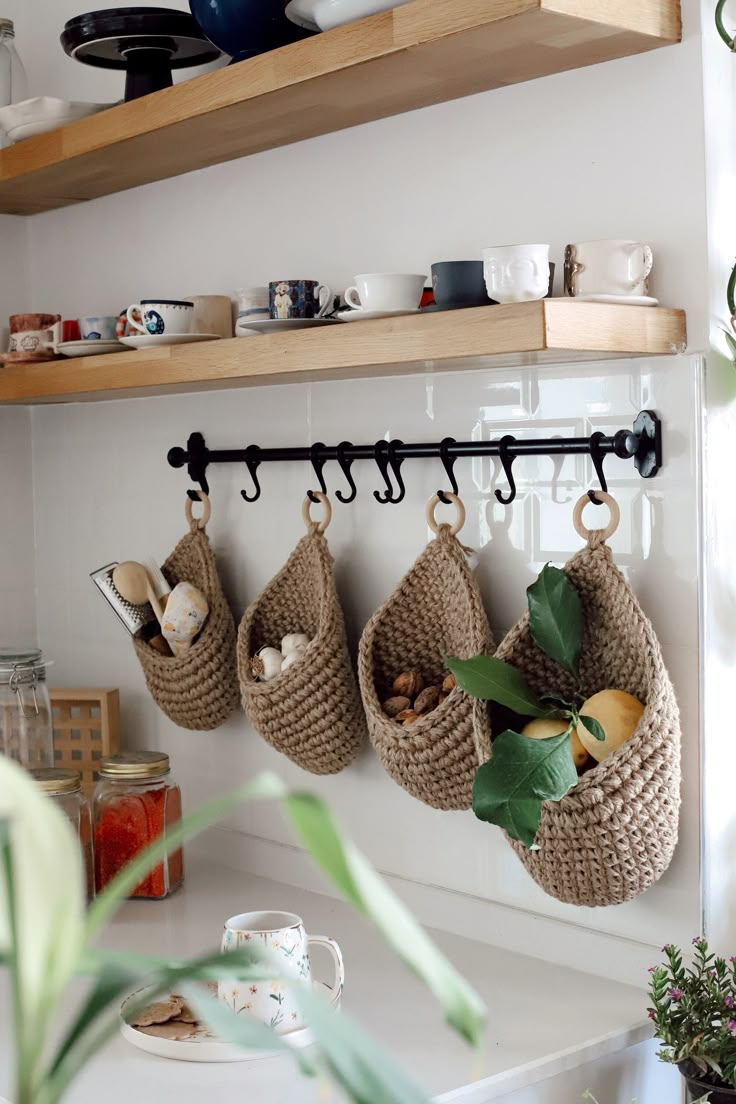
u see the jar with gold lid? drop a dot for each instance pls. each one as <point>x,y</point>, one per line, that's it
<point>64,788</point>
<point>136,802</point>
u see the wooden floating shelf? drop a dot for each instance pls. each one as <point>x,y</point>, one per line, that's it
<point>425,52</point>
<point>552,331</point>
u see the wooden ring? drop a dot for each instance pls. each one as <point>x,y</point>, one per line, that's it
<point>432,506</point>
<point>200,522</point>
<point>307,511</point>
<point>613,521</point>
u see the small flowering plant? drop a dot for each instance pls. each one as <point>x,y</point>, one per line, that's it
<point>694,1012</point>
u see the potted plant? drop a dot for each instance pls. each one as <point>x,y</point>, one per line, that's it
<point>694,1013</point>
<point>46,939</point>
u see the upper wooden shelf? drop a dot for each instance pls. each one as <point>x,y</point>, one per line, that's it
<point>423,53</point>
<point>552,331</point>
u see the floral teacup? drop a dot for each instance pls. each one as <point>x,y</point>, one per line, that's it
<point>284,939</point>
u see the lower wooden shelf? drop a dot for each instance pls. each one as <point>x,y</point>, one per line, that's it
<point>552,331</point>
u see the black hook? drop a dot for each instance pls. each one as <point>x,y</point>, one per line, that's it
<point>252,461</point>
<point>597,456</point>
<point>448,462</point>
<point>345,466</point>
<point>507,461</point>
<point>318,464</point>
<point>385,455</point>
<point>197,456</point>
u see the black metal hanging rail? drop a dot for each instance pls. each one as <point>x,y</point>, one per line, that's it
<point>642,443</point>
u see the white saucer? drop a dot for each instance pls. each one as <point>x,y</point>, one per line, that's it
<point>275,325</point>
<point>366,315</point>
<point>89,348</point>
<point>632,300</point>
<point>150,341</point>
<point>205,1048</point>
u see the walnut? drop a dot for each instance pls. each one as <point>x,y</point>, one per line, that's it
<point>394,706</point>
<point>409,684</point>
<point>427,700</point>
<point>449,684</point>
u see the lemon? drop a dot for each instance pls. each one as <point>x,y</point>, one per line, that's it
<point>618,712</point>
<point>544,727</point>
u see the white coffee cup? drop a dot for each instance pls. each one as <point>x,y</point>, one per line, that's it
<point>161,316</point>
<point>253,302</point>
<point>386,291</point>
<point>608,267</point>
<point>213,314</point>
<point>516,273</point>
<point>283,938</point>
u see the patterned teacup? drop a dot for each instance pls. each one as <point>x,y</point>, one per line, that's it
<point>282,936</point>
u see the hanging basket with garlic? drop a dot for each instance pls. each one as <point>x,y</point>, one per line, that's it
<point>429,734</point>
<point>586,664</point>
<point>198,689</point>
<point>296,679</point>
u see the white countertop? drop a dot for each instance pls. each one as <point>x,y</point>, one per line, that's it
<point>542,1018</point>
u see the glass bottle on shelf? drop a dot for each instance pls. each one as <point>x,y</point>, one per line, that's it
<point>26,723</point>
<point>13,80</point>
<point>64,788</point>
<point>136,801</point>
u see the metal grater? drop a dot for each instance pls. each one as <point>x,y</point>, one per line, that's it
<point>133,617</point>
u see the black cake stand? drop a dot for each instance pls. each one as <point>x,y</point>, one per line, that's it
<point>146,42</point>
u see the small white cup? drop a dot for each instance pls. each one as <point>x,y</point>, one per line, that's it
<point>608,267</point>
<point>516,273</point>
<point>284,939</point>
<point>386,291</point>
<point>161,316</point>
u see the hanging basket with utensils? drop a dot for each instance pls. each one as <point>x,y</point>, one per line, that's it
<point>310,712</point>
<point>613,835</point>
<point>435,612</point>
<point>199,689</point>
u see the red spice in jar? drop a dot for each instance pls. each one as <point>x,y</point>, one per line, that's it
<point>136,802</point>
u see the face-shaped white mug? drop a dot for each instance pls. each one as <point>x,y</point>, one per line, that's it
<point>608,267</point>
<point>516,273</point>
<point>284,939</point>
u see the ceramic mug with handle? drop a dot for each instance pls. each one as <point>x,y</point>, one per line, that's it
<point>283,938</point>
<point>155,317</point>
<point>35,335</point>
<point>298,299</point>
<point>386,291</point>
<point>516,273</point>
<point>608,267</point>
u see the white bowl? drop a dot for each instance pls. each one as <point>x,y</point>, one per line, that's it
<point>326,14</point>
<point>42,113</point>
<point>299,12</point>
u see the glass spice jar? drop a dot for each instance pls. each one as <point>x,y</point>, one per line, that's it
<point>136,801</point>
<point>64,787</point>
<point>26,723</point>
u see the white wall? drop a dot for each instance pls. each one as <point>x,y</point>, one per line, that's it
<point>612,151</point>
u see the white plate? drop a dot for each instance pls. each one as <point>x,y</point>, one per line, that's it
<point>204,1048</point>
<point>632,300</point>
<point>335,13</point>
<point>365,315</point>
<point>275,325</point>
<point>89,348</point>
<point>42,113</point>
<point>150,341</point>
<point>299,12</point>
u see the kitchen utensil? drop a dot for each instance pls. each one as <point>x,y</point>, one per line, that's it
<point>184,617</point>
<point>283,937</point>
<point>298,299</point>
<point>136,619</point>
<point>516,273</point>
<point>70,330</point>
<point>132,581</point>
<point>386,291</point>
<point>608,267</point>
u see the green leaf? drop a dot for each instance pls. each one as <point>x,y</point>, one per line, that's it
<point>731,342</point>
<point>594,727</point>
<point>356,879</point>
<point>510,789</point>
<point>263,786</point>
<point>556,618</point>
<point>492,679</point>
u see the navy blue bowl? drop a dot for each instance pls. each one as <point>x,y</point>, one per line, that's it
<point>244,28</point>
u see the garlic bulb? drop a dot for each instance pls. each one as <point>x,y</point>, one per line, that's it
<point>293,657</point>
<point>292,642</point>
<point>267,664</point>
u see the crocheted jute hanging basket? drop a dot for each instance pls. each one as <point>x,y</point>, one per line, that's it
<point>198,690</point>
<point>612,836</point>
<point>436,611</point>
<point>311,712</point>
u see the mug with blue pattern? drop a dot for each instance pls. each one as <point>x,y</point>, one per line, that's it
<point>156,317</point>
<point>98,328</point>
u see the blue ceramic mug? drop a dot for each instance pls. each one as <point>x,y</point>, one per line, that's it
<point>298,299</point>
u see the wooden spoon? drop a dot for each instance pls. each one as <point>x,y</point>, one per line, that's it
<point>133,583</point>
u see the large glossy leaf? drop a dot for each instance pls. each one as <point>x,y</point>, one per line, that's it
<point>493,679</point>
<point>356,879</point>
<point>510,789</point>
<point>556,617</point>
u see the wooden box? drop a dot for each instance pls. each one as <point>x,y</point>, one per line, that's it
<point>86,729</point>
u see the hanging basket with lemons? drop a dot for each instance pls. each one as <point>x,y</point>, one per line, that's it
<point>585,780</point>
